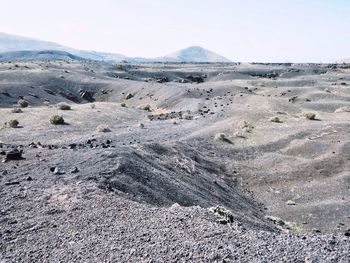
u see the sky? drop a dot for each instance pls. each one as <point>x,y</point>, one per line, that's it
<point>241,30</point>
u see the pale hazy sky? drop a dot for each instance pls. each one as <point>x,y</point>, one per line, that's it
<point>241,30</point>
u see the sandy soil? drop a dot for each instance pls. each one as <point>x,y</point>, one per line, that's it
<point>142,192</point>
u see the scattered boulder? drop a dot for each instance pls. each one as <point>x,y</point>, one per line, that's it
<point>14,154</point>
<point>23,103</point>
<point>87,95</point>
<point>129,96</point>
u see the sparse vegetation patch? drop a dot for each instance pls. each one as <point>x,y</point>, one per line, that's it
<point>246,126</point>
<point>11,124</point>
<point>57,120</point>
<point>343,109</point>
<point>16,110</point>
<point>63,106</point>
<point>309,115</point>
<point>276,119</point>
<point>103,128</point>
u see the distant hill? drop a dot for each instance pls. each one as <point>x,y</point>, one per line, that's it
<point>38,55</point>
<point>15,46</point>
<point>10,43</point>
<point>194,54</point>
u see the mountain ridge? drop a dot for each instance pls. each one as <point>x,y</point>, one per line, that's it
<point>11,43</point>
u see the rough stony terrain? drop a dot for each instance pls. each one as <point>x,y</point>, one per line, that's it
<point>180,139</point>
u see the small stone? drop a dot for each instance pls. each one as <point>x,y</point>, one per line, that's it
<point>129,96</point>
<point>72,146</point>
<point>290,202</point>
<point>12,183</point>
<point>74,170</point>
<point>347,233</point>
<point>57,171</point>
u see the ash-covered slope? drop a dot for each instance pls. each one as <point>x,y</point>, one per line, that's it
<point>38,55</point>
<point>10,43</point>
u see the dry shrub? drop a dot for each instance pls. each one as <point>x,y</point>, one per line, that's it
<point>63,106</point>
<point>57,120</point>
<point>343,109</point>
<point>246,126</point>
<point>275,119</point>
<point>103,128</point>
<point>16,110</point>
<point>11,124</point>
<point>309,115</point>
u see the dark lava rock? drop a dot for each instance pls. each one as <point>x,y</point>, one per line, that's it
<point>14,154</point>
<point>32,145</point>
<point>87,95</point>
<point>195,78</point>
<point>12,183</point>
<point>74,170</point>
<point>347,233</point>
<point>72,146</point>
<point>129,96</point>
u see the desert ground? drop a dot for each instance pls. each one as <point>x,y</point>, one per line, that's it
<point>174,162</point>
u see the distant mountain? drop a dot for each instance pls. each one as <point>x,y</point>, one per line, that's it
<point>14,47</point>
<point>194,54</point>
<point>9,43</point>
<point>38,55</point>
